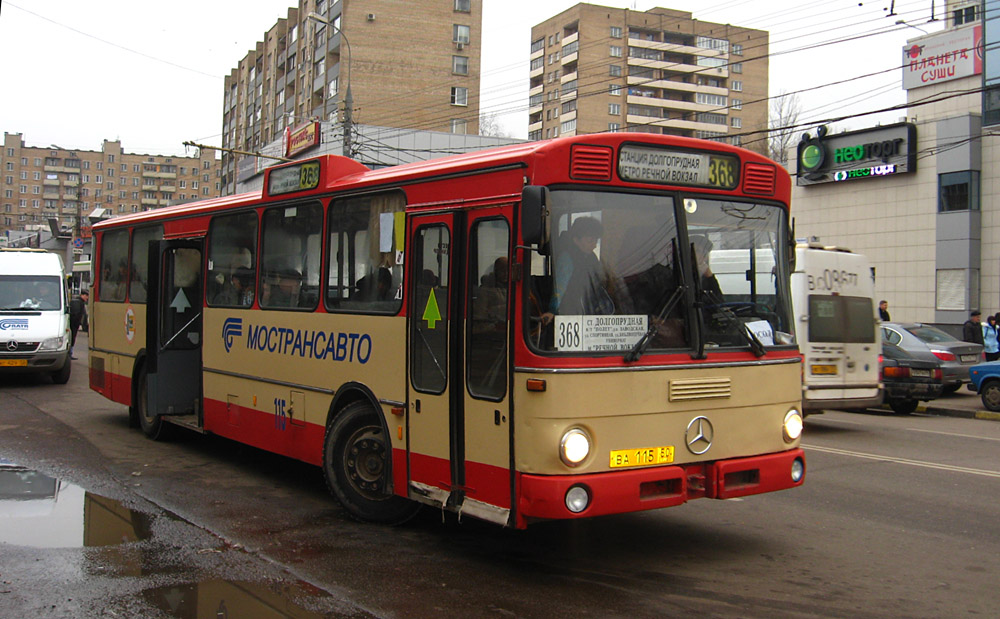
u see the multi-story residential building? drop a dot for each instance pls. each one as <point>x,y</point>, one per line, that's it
<point>596,68</point>
<point>407,64</point>
<point>43,183</point>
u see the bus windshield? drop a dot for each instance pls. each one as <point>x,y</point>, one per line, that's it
<point>617,273</point>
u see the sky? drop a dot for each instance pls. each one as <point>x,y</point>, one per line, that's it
<point>151,74</point>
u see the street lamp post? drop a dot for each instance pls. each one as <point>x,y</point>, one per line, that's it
<point>348,98</point>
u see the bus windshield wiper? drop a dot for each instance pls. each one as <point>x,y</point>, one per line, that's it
<point>654,325</point>
<point>756,346</point>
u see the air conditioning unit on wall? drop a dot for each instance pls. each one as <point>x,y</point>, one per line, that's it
<point>459,46</point>
<point>371,17</point>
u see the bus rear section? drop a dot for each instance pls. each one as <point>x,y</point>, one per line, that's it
<point>832,298</point>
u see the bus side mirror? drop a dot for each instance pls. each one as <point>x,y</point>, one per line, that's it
<point>533,213</point>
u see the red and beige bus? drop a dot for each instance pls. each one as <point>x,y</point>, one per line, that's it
<point>518,334</point>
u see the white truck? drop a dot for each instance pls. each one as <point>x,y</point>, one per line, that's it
<point>834,309</point>
<point>34,314</point>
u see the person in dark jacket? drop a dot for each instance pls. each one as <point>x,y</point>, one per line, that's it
<point>972,330</point>
<point>579,277</point>
<point>77,316</point>
<point>883,311</point>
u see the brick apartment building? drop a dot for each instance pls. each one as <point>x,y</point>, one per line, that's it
<point>413,65</point>
<point>596,69</point>
<point>42,183</point>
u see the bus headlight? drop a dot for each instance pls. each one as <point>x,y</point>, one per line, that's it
<point>791,429</point>
<point>574,447</point>
<point>54,343</point>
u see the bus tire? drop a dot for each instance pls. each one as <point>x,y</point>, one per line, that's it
<point>356,465</point>
<point>61,377</point>
<point>152,426</point>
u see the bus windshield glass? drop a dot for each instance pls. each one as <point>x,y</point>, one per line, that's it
<point>617,274</point>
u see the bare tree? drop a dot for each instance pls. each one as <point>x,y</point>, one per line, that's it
<point>784,115</point>
<point>490,125</point>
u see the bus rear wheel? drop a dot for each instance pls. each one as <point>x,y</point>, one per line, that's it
<point>152,426</point>
<point>356,465</point>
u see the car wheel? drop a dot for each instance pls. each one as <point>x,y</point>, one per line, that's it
<point>991,396</point>
<point>952,388</point>
<point>903,407</point>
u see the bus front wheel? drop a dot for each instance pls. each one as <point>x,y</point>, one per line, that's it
<point>356,465</point>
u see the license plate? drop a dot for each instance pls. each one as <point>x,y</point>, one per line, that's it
<point>8,363</point>
<point>969,358</point>
<point>823,369</point>
<point>647,456</point>
<point>920,373</point>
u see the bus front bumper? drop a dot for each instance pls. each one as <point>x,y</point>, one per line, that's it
<point>543,497</point>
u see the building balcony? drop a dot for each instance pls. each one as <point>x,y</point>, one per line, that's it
<point>147,187</point>
<point>149,201</point>
<point>535,127</point>
<point>537,90</point>
<point>672,67</point>
<point>567,96</point>
<point>573,38</point>
<point>537,53</point>
<point>535,109</point>
<point>673,104</point>
<point>568,116</point>
<point>536,72</point>
<point>567,59</point>
<point>170,188</point>
<point>161,174</point>
<point>691,125</point>
<point>679,86</point>
<point>51,182</point>
<point>59,168</point>
<point>50,195</point>
<point>569,77</point>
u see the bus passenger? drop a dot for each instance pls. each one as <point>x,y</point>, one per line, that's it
<point>710,289</point>
<point>285,293</point>
<point>579,277</point>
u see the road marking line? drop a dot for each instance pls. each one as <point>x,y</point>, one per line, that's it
<point>929,465</point>
<point>985,438</point>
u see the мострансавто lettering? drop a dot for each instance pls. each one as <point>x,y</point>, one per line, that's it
<point>319,345</point>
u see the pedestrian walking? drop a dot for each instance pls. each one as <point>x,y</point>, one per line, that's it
<point>972,330</point>
<point>991,345</point>
<point>77,316</point>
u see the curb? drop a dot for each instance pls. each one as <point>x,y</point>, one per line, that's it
<point>958,412</point>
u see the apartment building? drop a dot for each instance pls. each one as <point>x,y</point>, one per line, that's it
<point>411,65</point>
<point>596,68</point>
<point>42,183</point>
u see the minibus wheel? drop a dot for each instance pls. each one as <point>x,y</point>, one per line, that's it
<point>357,466</point>
<point>61,377</point>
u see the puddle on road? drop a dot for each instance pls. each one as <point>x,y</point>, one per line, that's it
<point>40,511</point>
<point>44,512</point>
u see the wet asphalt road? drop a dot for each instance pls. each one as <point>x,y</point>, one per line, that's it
<point>898,517</point>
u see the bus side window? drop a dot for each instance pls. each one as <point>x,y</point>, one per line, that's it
<point>232,249</point>
<point>365,240</point>
<point>290,256</point>
<point>114,265</point>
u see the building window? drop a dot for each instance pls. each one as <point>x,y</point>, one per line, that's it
<point>614,127</point>
<point>461,34</point>
<point>737,49</point>
<point>537,63</point>
<point>615,70</point>
<point>463,6</point>
<point>458,125</point>
<point>736,67</point>
<point>615,109</point>
<point>964,15</point>
<point>737,104</point>
<point>460,65</point>
<point>737,86</point>
<point>736,123</point>
<point>616,51</point>
<point>459,95</point>
<point>616,32</point>
<point>569,125</point>
<point>614,89</point>
<point>958,191</point>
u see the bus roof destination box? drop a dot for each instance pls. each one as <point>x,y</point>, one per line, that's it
<point>34,317</point>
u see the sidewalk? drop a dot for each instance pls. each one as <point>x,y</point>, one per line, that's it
<point>962,403</point>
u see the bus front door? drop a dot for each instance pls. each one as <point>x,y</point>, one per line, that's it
<point>458,418</point>
<point>173,331</point>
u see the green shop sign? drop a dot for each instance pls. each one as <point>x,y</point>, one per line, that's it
<point>869,153</point>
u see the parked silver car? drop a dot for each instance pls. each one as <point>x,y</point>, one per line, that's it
<point>923,341</point>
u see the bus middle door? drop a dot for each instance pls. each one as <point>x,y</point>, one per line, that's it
<point>434,416</point>
<point>173,330</point>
